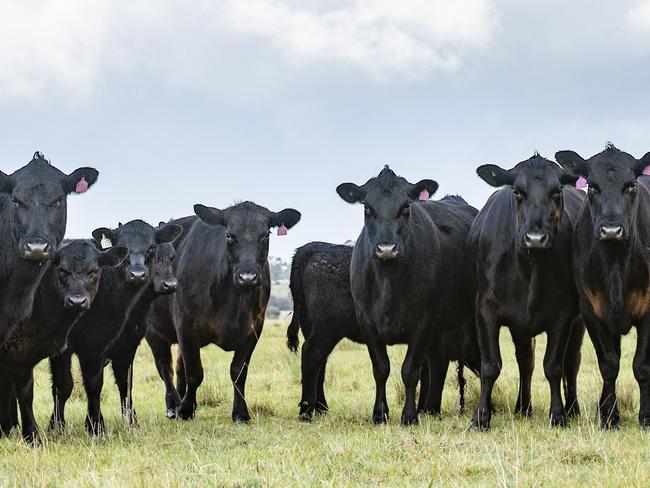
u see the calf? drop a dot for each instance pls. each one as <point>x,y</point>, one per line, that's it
<point>67,290</point>
<point>406,276</point>
<point>324,311</point>
<point>96,331</point>
<point>122,352</point>
<point>224,287</point>
<point>611,262</point>
<point>519,248</point>
<point>33,215</point>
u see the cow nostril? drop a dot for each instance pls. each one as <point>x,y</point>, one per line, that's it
<point>614,232</point>
<point>170,284</point>
<point>248,278</point>
<point>386,251</point>
<point>535,239</point>
<point>77,300</point>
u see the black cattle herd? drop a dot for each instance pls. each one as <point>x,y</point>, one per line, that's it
<point>439,276</point>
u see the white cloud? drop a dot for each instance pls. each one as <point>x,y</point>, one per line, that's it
<point>640,14</point>
<point>54,48</point>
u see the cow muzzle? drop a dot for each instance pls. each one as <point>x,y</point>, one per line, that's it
<point>386,251</point>
<point>612,233</point>
<point>36,250</point>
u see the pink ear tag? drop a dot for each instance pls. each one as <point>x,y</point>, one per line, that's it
<point>282,230</point>
<point>82,186</point>
<point>581,183</point>
<point>646,171</point>
<point>424,195</point>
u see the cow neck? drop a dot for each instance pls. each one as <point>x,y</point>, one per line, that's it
<point>615,259</point>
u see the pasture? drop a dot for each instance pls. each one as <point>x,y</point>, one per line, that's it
<point>341,449</point>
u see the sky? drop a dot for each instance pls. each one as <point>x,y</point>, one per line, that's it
<point>279,101</point>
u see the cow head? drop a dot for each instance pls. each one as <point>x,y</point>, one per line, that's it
<point>78,266</point>
<point>246,229</point>
<point>162,271</point>
<point>538,202</point>
<point>387,200</point>
<point>141,240</point>
<point>612,178</point>
<point>37,210</point>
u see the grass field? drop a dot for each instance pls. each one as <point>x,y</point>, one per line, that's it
<point>340,449</point>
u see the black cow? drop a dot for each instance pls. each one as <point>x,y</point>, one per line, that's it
<point>224,287</point>
<point>323,310</point>
<point>95,332</point>
<point>407,277</point>
<point>33,215</point>
<point>67,290</point>
<point>519,250</point>
<point>122,352</point>
<point>611,261</point>
<point>33,211</point>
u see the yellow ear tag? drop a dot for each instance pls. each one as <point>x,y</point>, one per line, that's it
<point>106,242</point>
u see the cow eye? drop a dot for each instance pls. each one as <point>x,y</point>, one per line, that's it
<point>367,210</point>
<point>59,203</point>
<point>406,211</point>
<point>594,189</point>
<point>517,194</point>
<point>17,203</point>
<point>630,187</point>
<point>230,238</point>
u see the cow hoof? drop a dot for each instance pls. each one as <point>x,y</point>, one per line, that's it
<point>57,425</point>
<point>306,416</point>
<point>482,425</point>
<point>558,420</point>
<point>32,438</point>
<point>409,419</point>
<point>644,421</point>
<point>239,418</point>
<point>171,414</point>
<point>379,418</point>
<point>321,408</point>
<point>610,423</point>
<point>95,427</point>
<point>185,413</point>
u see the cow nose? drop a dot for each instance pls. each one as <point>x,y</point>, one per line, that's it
<point>386,252</point>
<point>611,233</point>
<point>137,276</point>
<point>77,301</point>
<point>170,284</point>
<point>248,279</point>
<point>536,240</point>
<point>37,250</point>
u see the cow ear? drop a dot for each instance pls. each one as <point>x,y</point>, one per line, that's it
<point>350,192</point>
<point>567,179</point>
<point>496,176</point>
<point>104,232</point>
<point>287,217</point>
<point>573,163</point>
<point>168,233</point>
<point>80,180</point>
<point>6,185</point>
<point>209,215</point>
<point>642,166</point>
<point>113,256</point>
<point>417,190</point>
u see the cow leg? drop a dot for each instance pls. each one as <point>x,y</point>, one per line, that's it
<point>62,385</point>
<point>314,355</point>
<point>488,328</point>
<point>437,365</point>
<point>413,362</point>
<point>238,374</point>
<point>24,385</point>
<point>191,354</point>
<point>425,386</point>
<point>181,383</point>
<point>8,403</point>
<point>557,339</point>
<point>380,370</point>
<point>525,354</point>
<point>641,368</point>
<point>162,355</point>
<point>123,373</point>
<point>321,402</point>
<point>92,372</point>
<point>608,351</point>
<point>572,360</point>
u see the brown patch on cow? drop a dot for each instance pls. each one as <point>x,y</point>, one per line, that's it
<point>597,302</point>
<point>637,303</point>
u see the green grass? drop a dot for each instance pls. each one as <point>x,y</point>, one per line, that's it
<point>342,448</point>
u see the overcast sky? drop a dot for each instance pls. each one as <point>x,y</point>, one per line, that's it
<point>278,101</point>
